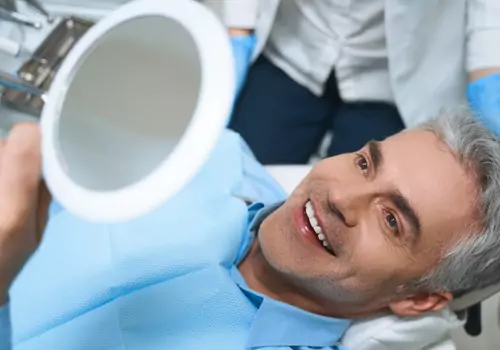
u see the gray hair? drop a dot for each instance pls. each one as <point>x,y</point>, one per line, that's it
<point>473,262</point>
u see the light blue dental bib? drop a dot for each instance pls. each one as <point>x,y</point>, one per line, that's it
<point>158,282</point>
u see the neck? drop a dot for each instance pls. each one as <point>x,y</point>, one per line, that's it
<point>263,279</point>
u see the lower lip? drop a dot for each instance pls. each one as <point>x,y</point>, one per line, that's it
<point>301,222</point>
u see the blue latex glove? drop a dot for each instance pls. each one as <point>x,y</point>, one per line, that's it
<point>243,46</point>
<point>484,99</point>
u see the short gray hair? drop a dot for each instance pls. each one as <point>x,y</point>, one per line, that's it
<point>474,262</point>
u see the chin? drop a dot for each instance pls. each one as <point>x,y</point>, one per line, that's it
<point>286,258</point>
<point>277,254</point>
<point>285,248</point>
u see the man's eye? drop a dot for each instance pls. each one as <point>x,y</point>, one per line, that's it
<point>362,163</point>
<point>392,222</point>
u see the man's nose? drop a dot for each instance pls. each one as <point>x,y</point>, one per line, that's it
<point>349,200</point>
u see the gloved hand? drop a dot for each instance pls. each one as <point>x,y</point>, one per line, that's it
<point>484,99</point>
<point>243,46</point>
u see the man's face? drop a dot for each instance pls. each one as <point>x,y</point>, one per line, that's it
<point>386,214</point>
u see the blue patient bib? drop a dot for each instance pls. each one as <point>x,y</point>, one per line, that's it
<point>159,282</point>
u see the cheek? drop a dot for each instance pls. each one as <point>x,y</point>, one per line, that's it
<point>302,189</point>
<point>273,235</point>
<point>376,260</point>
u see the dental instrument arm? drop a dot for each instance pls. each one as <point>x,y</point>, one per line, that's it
<point>18,18</point>
<point>13,82</point>
<point>13,48</point>
<point>37,5</point>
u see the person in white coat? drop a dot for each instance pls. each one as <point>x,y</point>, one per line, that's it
<point>362,69</point>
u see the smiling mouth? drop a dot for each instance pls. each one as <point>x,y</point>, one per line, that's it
<point>313,222</point>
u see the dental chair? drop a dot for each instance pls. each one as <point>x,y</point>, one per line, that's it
<point>471,323</point>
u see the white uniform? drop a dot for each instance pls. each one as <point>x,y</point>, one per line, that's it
<point>430,46</point>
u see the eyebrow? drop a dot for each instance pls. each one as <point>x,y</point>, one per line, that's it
<point>397,198</point>
<point>376,154</point>
<point>403,205</point>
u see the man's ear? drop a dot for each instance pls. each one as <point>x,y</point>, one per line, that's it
<point>417,304</point>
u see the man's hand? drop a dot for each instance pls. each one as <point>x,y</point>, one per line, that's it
<point>483,94</point>
<point>243,42</point>
<point>24,201</point>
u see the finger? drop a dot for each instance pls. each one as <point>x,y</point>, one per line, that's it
<point>20,172</point>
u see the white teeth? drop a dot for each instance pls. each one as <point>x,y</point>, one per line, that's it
<point>313,221</point>
<point>309,212</point>
<point>314,224</point>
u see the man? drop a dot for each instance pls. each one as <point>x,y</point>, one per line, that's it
<point>396,227</point>
<point>360,69</point>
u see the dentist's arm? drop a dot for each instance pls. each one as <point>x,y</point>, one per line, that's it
<point>483,73</point>
<point>240,17</point>
<point>24,202</point>
<point>483,61</point>
<point>243,42</point>
<point>240,14</point>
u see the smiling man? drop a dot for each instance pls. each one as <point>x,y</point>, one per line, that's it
<point>394,228</point>
<point>362,228</point>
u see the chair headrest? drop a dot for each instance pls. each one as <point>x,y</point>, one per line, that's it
<point>474,297</point>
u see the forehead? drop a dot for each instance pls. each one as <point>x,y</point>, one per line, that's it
<point>427,172</point>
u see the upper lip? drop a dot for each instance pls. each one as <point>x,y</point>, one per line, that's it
<point>327,230</point>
